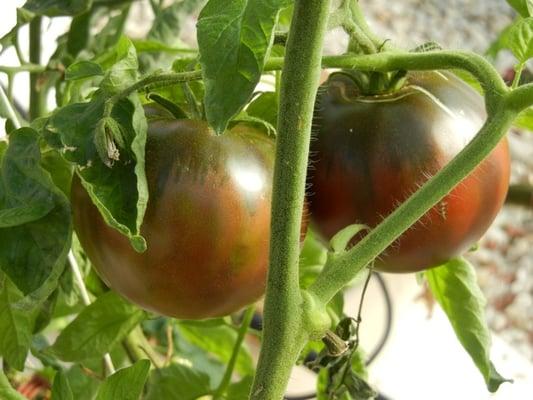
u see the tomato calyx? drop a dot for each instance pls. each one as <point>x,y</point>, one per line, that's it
<point>372,83</point>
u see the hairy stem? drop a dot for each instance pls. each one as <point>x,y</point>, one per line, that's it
<point>284,334</point>
<point>226,379</point>
<point>37,99</point>
<point>108,363</point>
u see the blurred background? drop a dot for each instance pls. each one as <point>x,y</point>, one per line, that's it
<point>421,357</point>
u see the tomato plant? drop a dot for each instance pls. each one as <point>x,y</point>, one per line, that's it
<point>194,212</point>
<point>372,152</point>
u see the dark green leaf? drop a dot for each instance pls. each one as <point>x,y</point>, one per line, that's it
<point>83,386</point>
<point>523,7</point>
<point>178,382</point>
<point>234,38</point>
<point>455,288</point>
<point>125,384</point>
<point>82,70</point>
<point>218,340</point>
<point>120,192</point>
<point>6,391</point>
<point>168,105</point>
<point>79,33</point>
<point>53,8</point>
<point>61,387</point>
<point>97,329</point>
<point>33,253</point>
<point>15,326</point>
<point>265,107</point>
<point>520,39</point>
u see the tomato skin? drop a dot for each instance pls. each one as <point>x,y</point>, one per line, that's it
<point>207,223</point>
<point>369,154</point>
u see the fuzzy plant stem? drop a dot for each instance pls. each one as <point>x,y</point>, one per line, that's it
<point>284,334</point>
<point>37,98</point>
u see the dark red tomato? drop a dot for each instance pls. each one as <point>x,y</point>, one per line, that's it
<point>371,153</point>
<point>207,223</point>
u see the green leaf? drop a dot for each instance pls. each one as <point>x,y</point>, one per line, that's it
<point>97,329</point>
<point>240,390</point>
<point>265,107</point>
<point>82,70</point>
<point>218,340</point>
<point>249,120</point>
<point>124,71</point>
<point>53,8</point>
<point>16,326</point>
<point>121,192</point>
<point>234,38</point>
<point>520,39</point>
<point>125,384</point>
<point>178,382</point>
<point>35,247</point>
<point>61,387</point>
<point>340,241</point>
<point>83,386</point>
<point>165,32</point>
<point>6,391</point>
<point>455,288</point>
<point>523,7</point>
<point>525,119</point>
<point>499,44</point>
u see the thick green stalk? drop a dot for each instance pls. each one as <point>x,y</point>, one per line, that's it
<point>37,98</point>
<point>342,269</point>
<point>492,83</point>
<point>284,334</point>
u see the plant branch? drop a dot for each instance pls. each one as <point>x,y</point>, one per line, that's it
<point>284,332</point>
<point>226,379</point>
<point>87,301</point>
<point>33,68</point>
<point>37,100</point>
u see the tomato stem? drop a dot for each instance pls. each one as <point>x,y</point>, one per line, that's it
<point>226,379</point>
<point>37,99</point>
<point>284,333</point>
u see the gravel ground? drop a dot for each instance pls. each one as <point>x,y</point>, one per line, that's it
<point>505,257</point>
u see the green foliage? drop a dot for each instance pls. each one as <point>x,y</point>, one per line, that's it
<point>61,387</point>
<point>6,391</point>
<point>234,38</point>
<point>35,223</point>
<point>519,39</point>
<point>523,7</point>
<point>192,383</point>
<point>125,384</point>
<point>218,340</point>
<point>455,288</point>
<point>54,8</point>
<point>342,375</point>
<point>122,206</point>
<point>15,325</point>
<point>97,329</point>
